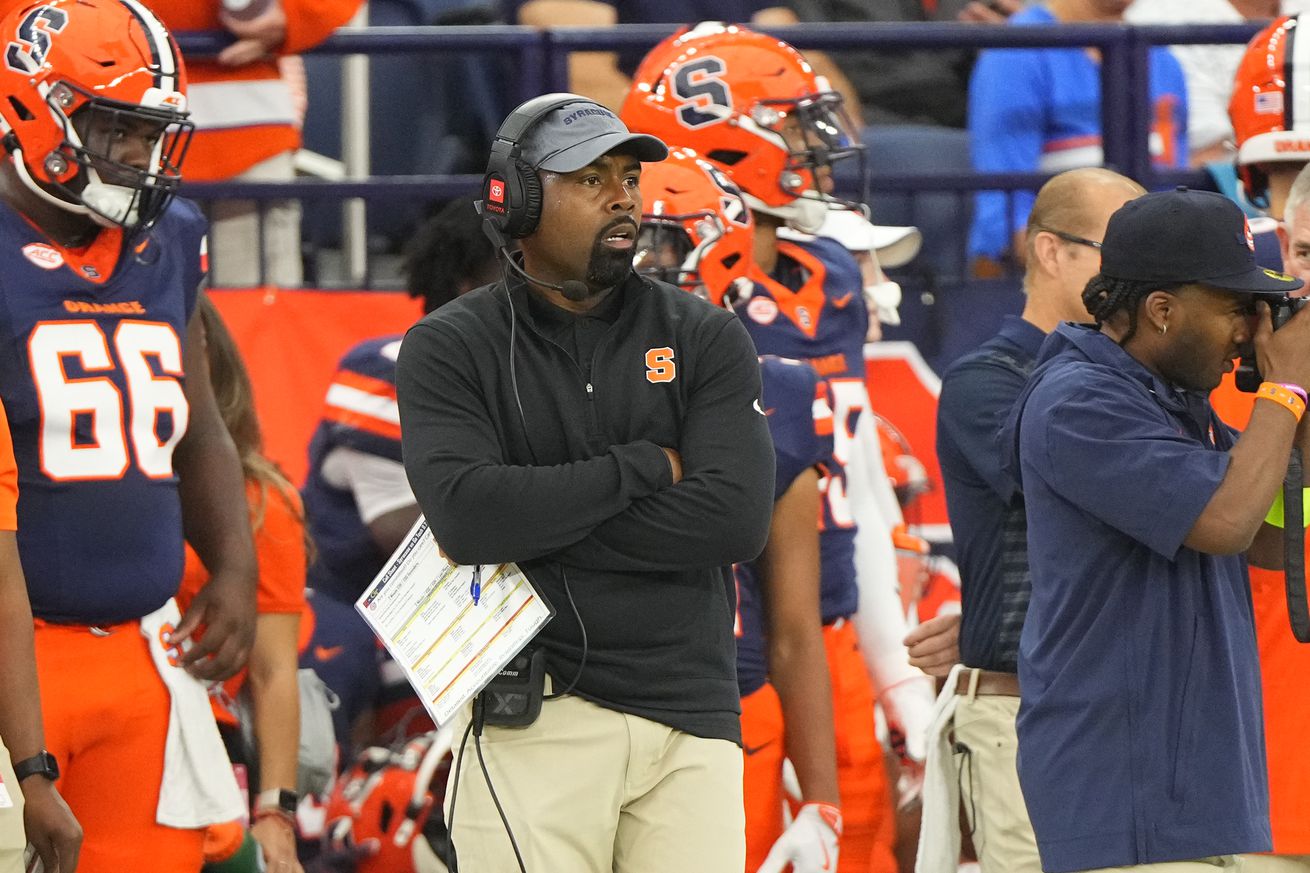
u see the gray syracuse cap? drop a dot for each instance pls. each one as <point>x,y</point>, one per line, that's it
<point>574,135</point>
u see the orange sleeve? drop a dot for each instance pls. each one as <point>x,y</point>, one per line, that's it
<point>310,21</point>
<point>280,550</point>
<point>8,477</point>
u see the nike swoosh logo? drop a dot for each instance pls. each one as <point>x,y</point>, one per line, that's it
<point>327,653</point>
<point>753,750</point>
<point>840,302</point>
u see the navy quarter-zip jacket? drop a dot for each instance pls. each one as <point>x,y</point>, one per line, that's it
<point>576,485</point>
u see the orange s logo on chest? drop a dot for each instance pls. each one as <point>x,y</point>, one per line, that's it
<point>660,366</point>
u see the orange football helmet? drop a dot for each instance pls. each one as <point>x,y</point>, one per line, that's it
<point>696,231</point>
<point>381,813</point>
<point>76,75</point>
<point>751,105</point>
<point>1268,120</point>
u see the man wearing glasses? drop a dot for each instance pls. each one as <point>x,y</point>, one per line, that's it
<point>986,509</point>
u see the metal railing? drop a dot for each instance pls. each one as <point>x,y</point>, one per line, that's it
<point>541,59</point>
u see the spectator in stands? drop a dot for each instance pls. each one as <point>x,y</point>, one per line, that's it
<point>277,525</point>
<point>1208,69</point>
<point>247,124</point>
<point>1039,110</point>
<point>915,86</point>
<point>606,77</point>
<point>358,503</point>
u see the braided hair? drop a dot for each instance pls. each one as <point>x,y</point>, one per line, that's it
<point>1106,295</point>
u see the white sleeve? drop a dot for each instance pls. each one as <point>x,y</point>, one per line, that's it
<point>378,484</point>
<point>880,621</point>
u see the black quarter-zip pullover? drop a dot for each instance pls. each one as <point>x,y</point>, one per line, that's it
<point>577,486</point>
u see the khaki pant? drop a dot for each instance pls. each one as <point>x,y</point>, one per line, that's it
<point>1276,864</point>
<point>989,784</point>
<point>234,234</point>
<point>591,790</point>
<point>1200,865</point>
<point>12,840</point>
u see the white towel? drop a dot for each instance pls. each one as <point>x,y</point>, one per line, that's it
<point>939,828</point>
<point>199,788</point>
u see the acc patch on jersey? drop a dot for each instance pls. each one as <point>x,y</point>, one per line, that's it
<point>43,256</point>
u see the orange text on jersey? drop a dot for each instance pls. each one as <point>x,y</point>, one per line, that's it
<point>125,307</point>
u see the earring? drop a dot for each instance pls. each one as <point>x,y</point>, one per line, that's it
<point>1163,328</point>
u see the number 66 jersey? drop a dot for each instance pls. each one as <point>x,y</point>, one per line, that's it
<point>92,376</point>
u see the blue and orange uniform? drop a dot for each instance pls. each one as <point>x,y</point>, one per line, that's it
<point>92,380</point>
<point>811,309</point>
<point>800,423</point>
<point>360,419</point>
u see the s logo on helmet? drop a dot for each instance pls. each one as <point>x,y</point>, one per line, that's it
<point>27,55</point>
<point>700,85</point>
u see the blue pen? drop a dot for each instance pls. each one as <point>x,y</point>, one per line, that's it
<point>475,588</point>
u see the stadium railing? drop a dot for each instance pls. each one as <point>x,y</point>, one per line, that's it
<point>539,64</point>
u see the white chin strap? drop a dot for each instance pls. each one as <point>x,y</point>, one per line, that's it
<point>806,213</point>
<point>106,205</point>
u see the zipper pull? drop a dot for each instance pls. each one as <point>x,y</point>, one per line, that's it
<point>591,394</point>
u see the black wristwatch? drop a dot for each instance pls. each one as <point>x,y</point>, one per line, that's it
<point>41,764</point>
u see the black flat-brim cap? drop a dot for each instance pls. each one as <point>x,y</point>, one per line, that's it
<point>572,136</point>
<point>1183,237</point>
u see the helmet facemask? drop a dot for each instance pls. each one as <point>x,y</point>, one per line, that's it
<point>817,134</point>
<point>681,250</point>
<point>83,175</point>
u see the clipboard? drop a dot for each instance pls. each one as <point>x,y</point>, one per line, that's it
<point>450,627</point>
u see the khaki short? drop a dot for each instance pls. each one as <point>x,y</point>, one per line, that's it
<point>589,790</point>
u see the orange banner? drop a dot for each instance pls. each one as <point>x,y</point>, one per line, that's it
<point>292,340</point>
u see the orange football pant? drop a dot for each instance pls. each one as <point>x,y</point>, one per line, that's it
<point>106,719</point>
<point>868,820</point>
<point>762,747</point>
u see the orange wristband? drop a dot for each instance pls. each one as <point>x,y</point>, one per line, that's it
<point>1283,397</point>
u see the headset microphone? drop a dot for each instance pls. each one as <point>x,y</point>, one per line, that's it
<point>570,288</point>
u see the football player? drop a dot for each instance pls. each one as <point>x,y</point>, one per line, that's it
<point>118,439</point>
<point>696,233</point>
<point>752,106</point>
<point>1273,139</point>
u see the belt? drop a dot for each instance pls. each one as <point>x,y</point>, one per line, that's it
<point>988,682</point>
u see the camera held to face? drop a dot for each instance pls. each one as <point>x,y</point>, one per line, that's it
<point>1247,377</point>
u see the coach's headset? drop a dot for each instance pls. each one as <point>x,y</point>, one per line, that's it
<point>511,189</point>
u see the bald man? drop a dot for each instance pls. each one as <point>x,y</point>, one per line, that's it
<point>1062,243</point>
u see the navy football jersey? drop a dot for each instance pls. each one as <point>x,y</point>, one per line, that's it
<point>360,413</point>
<point>800,423</point>
<point>812,309</point>
<point>92,380</point>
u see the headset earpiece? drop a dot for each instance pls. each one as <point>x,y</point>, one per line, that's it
<point>527,213</point>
